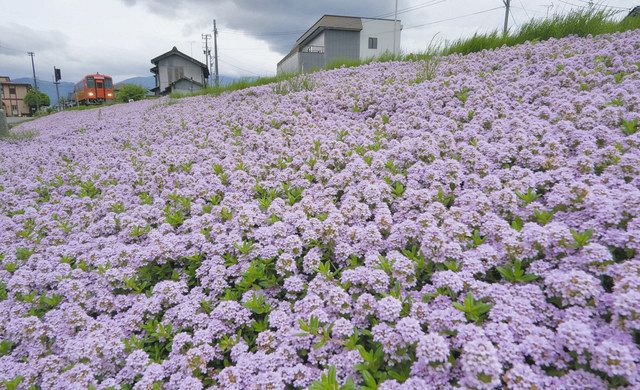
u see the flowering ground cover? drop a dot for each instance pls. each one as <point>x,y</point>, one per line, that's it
<point>473,223</point>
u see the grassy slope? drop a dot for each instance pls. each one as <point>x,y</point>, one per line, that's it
<point>581,23</point>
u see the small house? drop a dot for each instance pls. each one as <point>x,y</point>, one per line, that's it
<point>13,95</point>
<point>175,71</point>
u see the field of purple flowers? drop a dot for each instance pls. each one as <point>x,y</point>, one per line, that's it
<point>473,223</point>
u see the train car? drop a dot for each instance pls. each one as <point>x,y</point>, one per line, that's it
<point>94,89</point>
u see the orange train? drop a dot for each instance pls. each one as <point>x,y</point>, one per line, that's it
<point>94,89</point>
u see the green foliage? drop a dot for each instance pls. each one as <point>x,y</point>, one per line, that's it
<point>445,199</point>
<point>39,304</point>
<point>13,383</point>
<point>177,209</point>
<point>462,95</point>
<point>581,239</point>
<point>397,189</point>
<point>581,23</point>
<point>528,197</point>
<point>329,381</point>
<point>294,84</point>
<point>324,268</point>
<point>22,254</point>
<point>245,247</point>
<point>371,368</point>
<point>35,98</point>
<point>138,231</point>
<point>265,196</point>
<point>257,304</point>
<point>475,311</point>
<point>542,217</point>
<point>423,268</point>
<point>4,293</point>
<point>315,328</point>
<point>517,223</point>
<point>428,69</point>
<point>156,340</point>
<point>148,276</point>
<point>88,189</point>
<point>630,127</point>
<point>17,136</point>
<point>117,208</point>
<point>476,238</point>
<point>260,274</point>
<point>130,91</point>
<point>514,272</point>
<point>6,346</point>
<point>145,198</point>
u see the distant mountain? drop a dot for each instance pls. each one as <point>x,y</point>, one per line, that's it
<point>150,81</point>
<point>147,82</point>
<point>49,88</point>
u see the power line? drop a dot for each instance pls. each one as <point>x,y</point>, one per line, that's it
<point>603,5</point>
<point>454,18</point>
<point>237,67</point>
<point>593,6</point>
<point>525,10</point>
<point>371,19</point>
<point>11,49</point>
<point>513,19</point>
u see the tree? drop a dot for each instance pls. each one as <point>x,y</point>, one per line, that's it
<point>130,91</point>
<point>35,99</point>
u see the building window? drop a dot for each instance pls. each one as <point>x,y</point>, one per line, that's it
<point>14,107</point>
<point>373,43</point>
<point>12,90</point>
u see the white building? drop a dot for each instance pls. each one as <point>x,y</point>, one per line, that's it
<point>335,37</point>
<point>177,72</point>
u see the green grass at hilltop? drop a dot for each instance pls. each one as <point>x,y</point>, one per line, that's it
<point>580,23</point>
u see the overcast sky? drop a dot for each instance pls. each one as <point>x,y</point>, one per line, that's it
<point>119,37</point>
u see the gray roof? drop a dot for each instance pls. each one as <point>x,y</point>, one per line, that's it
<point>330,22</point>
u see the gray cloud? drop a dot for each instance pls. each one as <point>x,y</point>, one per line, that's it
<point>277,22</point>
<point>35,40</point>
<point>53,48</point>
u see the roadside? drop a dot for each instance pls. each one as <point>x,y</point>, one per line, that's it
<point>15,120</point>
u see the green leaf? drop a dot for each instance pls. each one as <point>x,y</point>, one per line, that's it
<point>514,272</point>
<point>475,311</point>
<point>529,197</point>
<point>517,224</point>
<point>543,217</point>
<point>581,239</point>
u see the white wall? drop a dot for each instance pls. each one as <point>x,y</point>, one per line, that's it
<point>317,41</point>
<point>381,29</point>
<point>189,70</point>
<point>290,65</point>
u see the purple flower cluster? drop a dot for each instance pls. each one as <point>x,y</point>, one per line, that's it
<point>477,229</point>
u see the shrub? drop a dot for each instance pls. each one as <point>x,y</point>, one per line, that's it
<point>130,92</point>
<point>35,98</point>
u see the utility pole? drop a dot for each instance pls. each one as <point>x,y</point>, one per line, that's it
<point>35,81</point>
<point>215,52</point>
<point>207,53</point>
<point>395,24</point>
<point>507,4</point>
<point>33,68</point>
